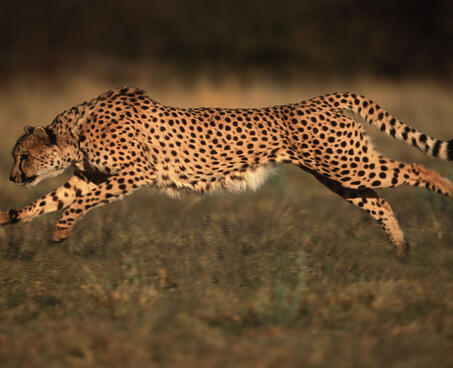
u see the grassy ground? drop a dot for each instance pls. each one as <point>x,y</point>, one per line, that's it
<point>290,276</point>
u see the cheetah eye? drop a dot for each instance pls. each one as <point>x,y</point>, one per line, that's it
<point>24,156</point>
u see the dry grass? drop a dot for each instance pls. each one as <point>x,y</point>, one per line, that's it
<point>288,276</point>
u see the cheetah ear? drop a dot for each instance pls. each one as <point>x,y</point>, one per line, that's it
<point>29,129</point>
<point>41,133</point>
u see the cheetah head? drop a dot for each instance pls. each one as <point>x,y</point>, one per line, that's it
<point>36,157</point>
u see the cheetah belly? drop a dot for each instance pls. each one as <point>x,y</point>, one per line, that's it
<point>235,181</point>
<point>252,178</point>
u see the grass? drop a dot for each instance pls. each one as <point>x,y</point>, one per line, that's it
<point>289,276</point>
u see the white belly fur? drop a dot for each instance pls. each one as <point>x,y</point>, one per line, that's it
<point>252,179</point>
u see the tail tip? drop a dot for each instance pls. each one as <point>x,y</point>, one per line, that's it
<point>450,150</point>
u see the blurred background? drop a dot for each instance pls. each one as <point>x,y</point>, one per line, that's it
<point>280,40</point>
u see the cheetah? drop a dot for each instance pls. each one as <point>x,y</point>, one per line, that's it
<point>124,140</point>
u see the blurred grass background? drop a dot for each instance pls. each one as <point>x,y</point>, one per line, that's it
<point>392,38</point>
<point>288,276</point>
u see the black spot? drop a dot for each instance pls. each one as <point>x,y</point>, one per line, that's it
<point>436,148</point>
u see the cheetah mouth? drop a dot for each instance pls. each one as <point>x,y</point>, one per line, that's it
<point>28,181</point>
<point>31,181</point>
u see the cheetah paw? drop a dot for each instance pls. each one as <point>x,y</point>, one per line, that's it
<point>60,233</point>
<point>403,251</point>
<point>5,218</point>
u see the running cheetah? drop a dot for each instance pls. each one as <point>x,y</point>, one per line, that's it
<point>124,140</point>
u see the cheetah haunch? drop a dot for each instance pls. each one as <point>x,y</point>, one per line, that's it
<point>123,140</point>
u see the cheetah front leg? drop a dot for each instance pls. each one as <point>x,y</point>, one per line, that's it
<point>115,187</point>
<point>58,199</point>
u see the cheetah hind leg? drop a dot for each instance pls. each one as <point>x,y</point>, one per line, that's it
<point>376,207</point>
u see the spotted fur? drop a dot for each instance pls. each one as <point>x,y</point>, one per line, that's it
<point>123,140</point>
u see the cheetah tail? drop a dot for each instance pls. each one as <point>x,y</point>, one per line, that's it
<point>382,120</point>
